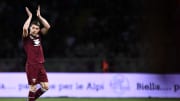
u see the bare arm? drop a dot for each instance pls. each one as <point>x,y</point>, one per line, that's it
<point>27,23</point>
<point>46,25</point>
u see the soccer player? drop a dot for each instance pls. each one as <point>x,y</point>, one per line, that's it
<point>36,73</point>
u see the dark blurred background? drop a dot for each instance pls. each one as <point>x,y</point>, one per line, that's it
<point>96,35</point>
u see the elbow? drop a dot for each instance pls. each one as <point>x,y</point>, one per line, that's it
<point>48,27</point>
<point>25,33</point>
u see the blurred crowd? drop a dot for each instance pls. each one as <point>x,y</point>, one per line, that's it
<point>80,28</point>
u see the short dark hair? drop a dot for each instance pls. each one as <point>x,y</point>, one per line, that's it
<point>36,22</point>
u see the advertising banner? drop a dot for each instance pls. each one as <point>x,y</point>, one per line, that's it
<point>109,85</point>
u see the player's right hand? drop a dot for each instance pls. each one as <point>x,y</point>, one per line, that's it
<point>38,11</point>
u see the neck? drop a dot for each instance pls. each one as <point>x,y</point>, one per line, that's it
<point>36,35</point>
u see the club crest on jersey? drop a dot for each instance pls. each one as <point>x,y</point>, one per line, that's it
<point>34,80</point>
<point>36,42</point>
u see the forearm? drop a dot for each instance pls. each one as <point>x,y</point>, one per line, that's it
<point>26,26</point>
<point>27,23</point>
<point>44,22</point>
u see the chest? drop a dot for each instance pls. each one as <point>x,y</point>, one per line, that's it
<point>35,41</point>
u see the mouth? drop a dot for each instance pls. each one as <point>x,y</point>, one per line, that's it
<point>33,32</point>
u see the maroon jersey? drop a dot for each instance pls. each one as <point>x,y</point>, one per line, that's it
<point>33,48</point>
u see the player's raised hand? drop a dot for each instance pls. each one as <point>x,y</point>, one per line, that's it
<point>38,11</point>
<point>28,12</point>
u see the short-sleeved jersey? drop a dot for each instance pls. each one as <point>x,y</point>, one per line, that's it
<point>33,48</point>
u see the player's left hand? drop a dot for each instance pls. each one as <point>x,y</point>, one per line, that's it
<point>38,11</point>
